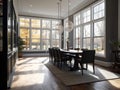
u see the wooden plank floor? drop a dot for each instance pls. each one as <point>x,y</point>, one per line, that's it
<point>32,74</point>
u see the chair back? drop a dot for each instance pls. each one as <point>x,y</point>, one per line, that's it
<point>83,49</point>
<point>88,56</point>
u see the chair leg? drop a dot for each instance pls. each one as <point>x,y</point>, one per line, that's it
<point>86,66</point>
<point>70,63</point>
<point>81,68</point>
<point>93,69</point>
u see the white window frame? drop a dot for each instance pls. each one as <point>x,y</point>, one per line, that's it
<point>30,28</point>
<point>91,22</point>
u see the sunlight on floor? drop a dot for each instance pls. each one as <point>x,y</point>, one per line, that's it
<point>95,76</point>
<point>90,67</point>
<point>29,72</point>
<point>115,84</point>
<point>108,74</point>
<point>29,80</point>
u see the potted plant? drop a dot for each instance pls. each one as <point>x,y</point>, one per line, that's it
<point>116,45</point>
<point>20,46</point>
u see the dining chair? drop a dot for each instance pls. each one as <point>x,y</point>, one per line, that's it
<point>88,56</point>
<point>116,62</point>
<point>55,54</point>
<point>50,54</point>
<point>84,49</point>
<point>64,58</point>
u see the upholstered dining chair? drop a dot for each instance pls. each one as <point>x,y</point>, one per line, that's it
<point>88,56</point>
<point>65,57</point>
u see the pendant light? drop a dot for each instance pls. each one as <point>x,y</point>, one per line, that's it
<point>68,23</point>
<point>59,25</point>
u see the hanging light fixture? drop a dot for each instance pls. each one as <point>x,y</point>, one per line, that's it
<point>59,25</point>
<point>68,23</point>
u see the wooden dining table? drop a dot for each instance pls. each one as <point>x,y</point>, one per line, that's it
<point>76,55</point>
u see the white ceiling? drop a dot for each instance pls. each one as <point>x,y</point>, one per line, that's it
<point>49,8</point>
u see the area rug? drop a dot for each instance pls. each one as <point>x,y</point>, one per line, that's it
<point>75,77</point>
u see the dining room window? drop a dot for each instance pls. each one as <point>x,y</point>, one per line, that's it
<point>35,23</point>
<point>46,23</point>
<point>24,22</point>
<point>98,10</point>
<point>35,39</point>
<point>91,28</point>
<point>39,33</point>
<point>77,39</point>
<point>99,33</point>
<point>87,36</point>
<point>86,14</point>
<point>25,35</point>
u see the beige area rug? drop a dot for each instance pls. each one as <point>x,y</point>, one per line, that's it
<point>75,77</point>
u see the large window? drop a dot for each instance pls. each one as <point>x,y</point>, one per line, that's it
<point>98,10</point>
<point>45,39</point>
<point>35,23</point>
<point>77,39</point>
<point>24,22</point>
<point>89,24</point>
<point>25,35</point>
<point>86,15</point>
<point>86,36</point>
<point>55,34</point>
<point>46,23</point>
<point>99,33</point>
<point>39,33</point>
<point>35,39</point>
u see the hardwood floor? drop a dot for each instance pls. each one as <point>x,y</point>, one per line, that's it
<point>32,74</point>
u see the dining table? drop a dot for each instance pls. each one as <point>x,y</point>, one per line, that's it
<point>76,54</point>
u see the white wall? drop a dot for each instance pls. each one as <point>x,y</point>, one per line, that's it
<point>119,20</point>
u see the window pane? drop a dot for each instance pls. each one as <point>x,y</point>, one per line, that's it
<point>45,44</point>
<point>54,24</point>
<point>99,45</point>
<point>35,39</point>
<point>45,23</point>
<point>35,23</point>
<point>77,44</point>
<point>24,33</point>
<point>99,11</point>
<point>99,28</point>
<point>86,43</point>
<point>86,30</point>
<point>45,34</point>
<point>55,34</point>
<point>86,15</point>
<point>24,22</point>
<point>77,37</point>
<point>55,43</point>
<point>77,20</point>
<point>35,44</point>
<point>26,45</point>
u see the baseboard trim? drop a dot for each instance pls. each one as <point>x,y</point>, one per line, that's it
<point>102,63</point>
